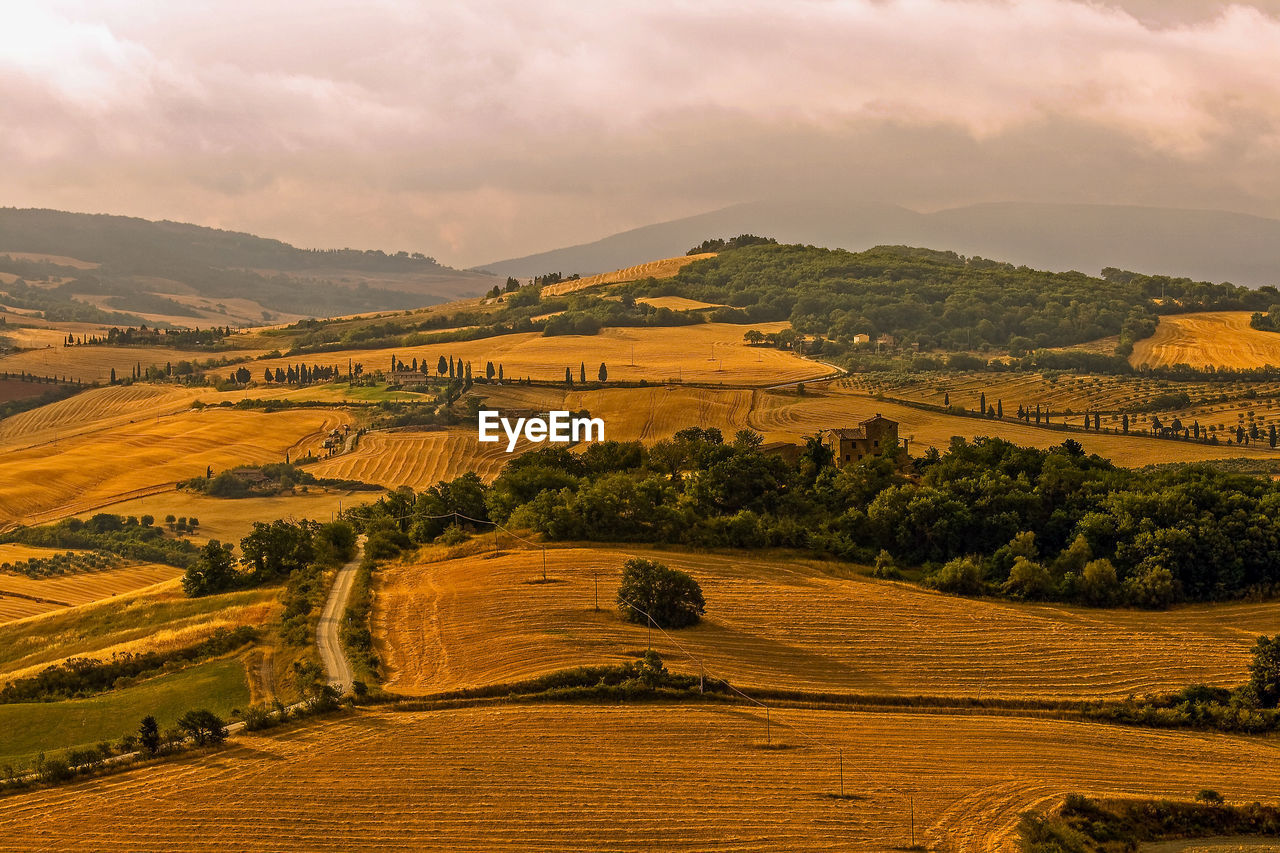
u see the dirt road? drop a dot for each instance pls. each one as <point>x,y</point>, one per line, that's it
<point>327,642</point>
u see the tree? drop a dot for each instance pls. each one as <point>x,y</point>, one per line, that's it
<point>442,366</point>
<point>982,403</point>
<point>149,735</point>
<point>279,548</point>
<point>113,376</point>
<point>582,375</point>
<point>604,377</point>
<point>670,597</point>
<point>1264,671</point>
<point>1028,579</point>
<point>204,727</point>
<point>946,398</point>
<point>213,571</point>
<point>568,376</point>
<point>489,371</point>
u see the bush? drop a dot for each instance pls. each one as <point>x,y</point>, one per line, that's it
<point>672,598</point>
<point>962,576</point>
<point>204,727</point>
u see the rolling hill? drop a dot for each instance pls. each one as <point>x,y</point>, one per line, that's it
<point>1200,244</point>
<point>191,275</point>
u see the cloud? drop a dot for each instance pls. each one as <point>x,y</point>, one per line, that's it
<point>471,131</point>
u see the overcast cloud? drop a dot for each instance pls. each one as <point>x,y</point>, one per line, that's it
<point>487,129</point>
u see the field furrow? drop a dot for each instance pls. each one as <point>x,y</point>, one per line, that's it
<point>673,777</point>
<point>787,623</point>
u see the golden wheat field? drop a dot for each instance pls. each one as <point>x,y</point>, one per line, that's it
<point>785,416</point>
<point>705,352</point>
<point>654,777</point>
<point>665,268</point>
<point>88,470</point>
<point>21,596</point>
<point>230,520</point>
<point>789,623</point>
<point>1208,339</point>
<point>415,458</point>
<point>676,303</point>
<point>94,363</point>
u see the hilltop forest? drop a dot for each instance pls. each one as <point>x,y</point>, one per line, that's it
<point>940,300</point>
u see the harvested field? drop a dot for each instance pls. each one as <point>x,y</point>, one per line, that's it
<point>650,414</point>
<point>665,268</point>
<point>60,260</point>
<point>230,520</point>
<point>93,469</point>
<point>94,363</point>
<point>91,410</point>
<point>16,389</point>
<point>676,303</point>
<point>21,596</point>
<point>666,777</point>
<point>1208,339</point>
<point>659,354</point>
<point>789,417</point>
<point>794,624</point>
<point>417,459</point>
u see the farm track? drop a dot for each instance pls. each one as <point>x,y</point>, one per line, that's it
<point>328,642</point>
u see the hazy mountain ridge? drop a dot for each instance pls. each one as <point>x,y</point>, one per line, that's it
<point>142,263</point>
<point>1198,244</point>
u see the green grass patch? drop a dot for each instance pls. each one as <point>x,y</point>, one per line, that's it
<point>83,630</point>
<point>29,728</point>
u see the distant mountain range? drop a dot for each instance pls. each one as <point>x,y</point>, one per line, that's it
<point>191,274</point>
<point>1199,244</point>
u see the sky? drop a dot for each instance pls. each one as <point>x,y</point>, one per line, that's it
<point>483,130</point>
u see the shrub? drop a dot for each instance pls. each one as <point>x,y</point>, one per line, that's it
<point>672,598</point>
<point>204,727</point>
<point>962,576</point>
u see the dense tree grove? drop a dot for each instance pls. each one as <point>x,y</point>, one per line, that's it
<point>128,536</point>
<point>273,552</point>
<point>982,517</point>
<point>939,300</point>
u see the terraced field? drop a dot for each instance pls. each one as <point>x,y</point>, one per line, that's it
<point>790,623</point>
<point>1208,339</point>
<point>665,268</point>
<point>93,469</point>
<point>706,352</point>
<point>675,777</point>
<point>21,596</point>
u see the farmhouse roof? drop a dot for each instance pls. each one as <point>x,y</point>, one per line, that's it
<point>861,431</point>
